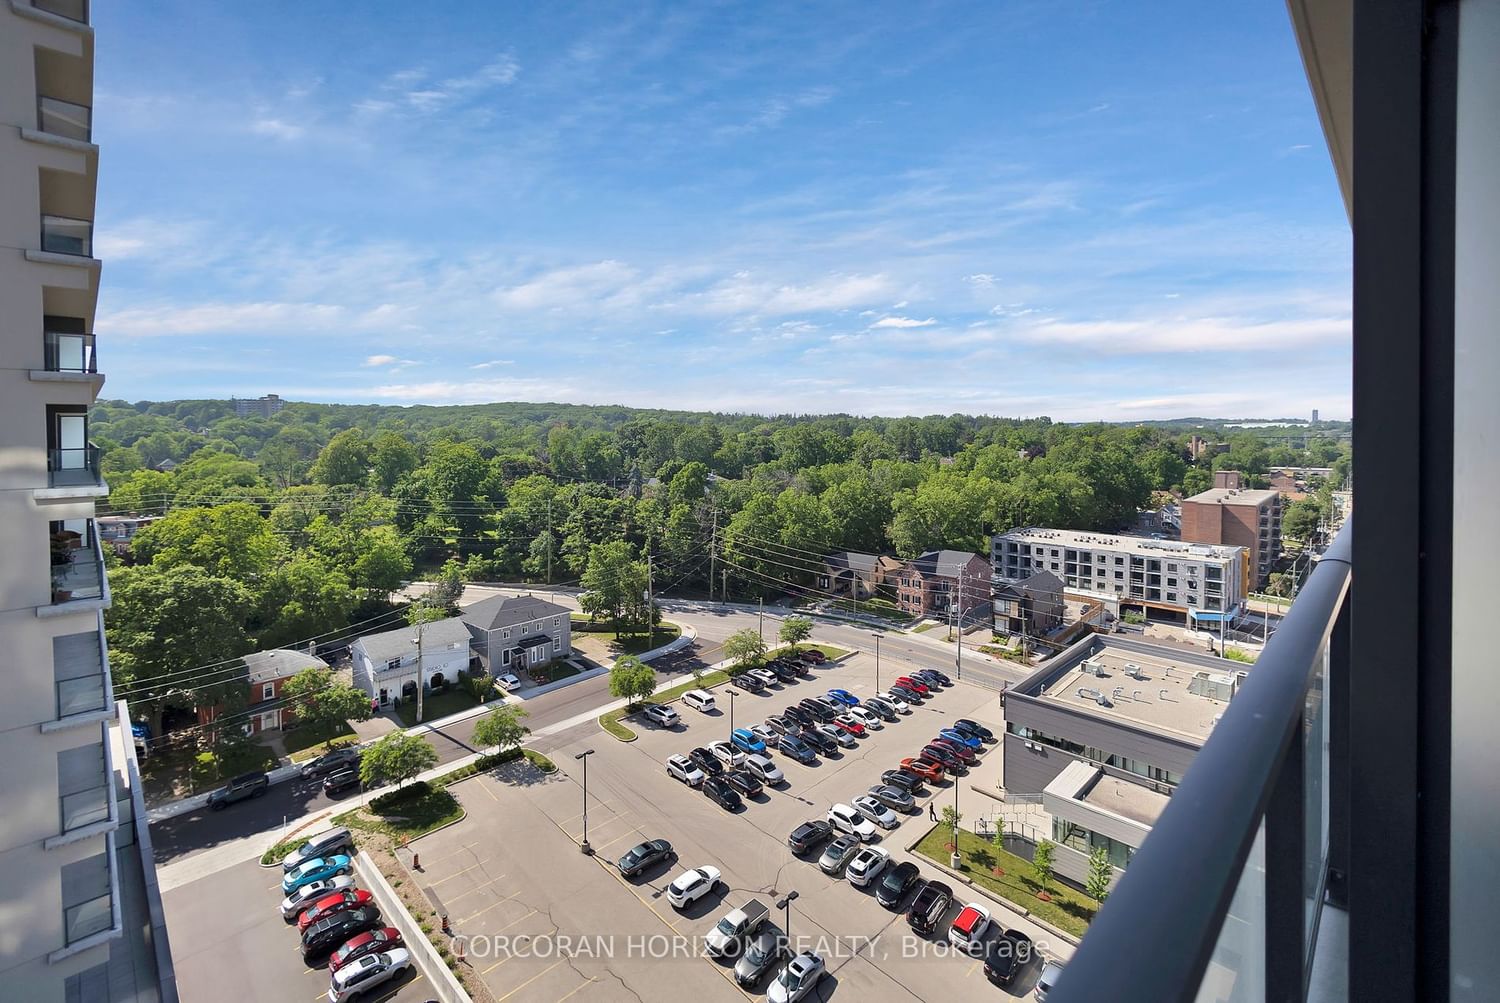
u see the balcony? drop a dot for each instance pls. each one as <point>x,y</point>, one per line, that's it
<point>73,10</point>
<point>73,468</point>
<point>1231,881</point>
<point>64,235</point>
<point>57,117</point>
<point>79,580</point>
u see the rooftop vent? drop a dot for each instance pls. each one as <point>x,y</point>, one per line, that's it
<point>1088,694</point>
<point>1134,671</point>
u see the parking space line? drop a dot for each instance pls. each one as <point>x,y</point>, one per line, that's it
<point>634,831</point>
<point>596,806</point>
<point>588,982</point>
<point>528,982</point>
<point>466,870</point>
<point>486,909</point>
<point>471,891</point>
<point>518,919</point>
<point>497,964</point>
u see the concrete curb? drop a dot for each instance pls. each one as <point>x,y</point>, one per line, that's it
<point>443,981</point>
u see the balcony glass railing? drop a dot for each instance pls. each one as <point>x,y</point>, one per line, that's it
<point>1233,874</point>
<point>77,568</point>
<point>73,10</point>
<point>82,695</point>
<point>63,235</point>
<point>63,118</point>
<point>73,467</point>
<point>69,353</point>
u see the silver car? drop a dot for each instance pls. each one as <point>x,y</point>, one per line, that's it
<point>760,954</point>
<point>323,845</point>
<point>893,798</point>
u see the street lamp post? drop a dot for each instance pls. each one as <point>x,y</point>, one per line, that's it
<point>786,906</point>
<point>877,661</point>
<point>956,859</point>
<point>583,756</point>
<point>732,694</point>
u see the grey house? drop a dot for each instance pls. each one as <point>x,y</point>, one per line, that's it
<point>1031,606</point>
<point>514,633</point>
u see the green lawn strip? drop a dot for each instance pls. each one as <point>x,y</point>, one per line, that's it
<point>540,761</point>
<point>281,849</point>
<point>410,812</point>
<point>873,607</point>
<point>924,628</point>
<point>1069,910</point>
<point>434,706</point>
<point>828,650</point>
<point>308,742</point>
<point>631,642</point>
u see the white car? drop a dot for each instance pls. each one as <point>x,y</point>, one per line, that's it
<point>876,812</point>
<point>797,979</point>
<point>845,740</point>
<point>766,676</point>
<point>726,753</point>
<point>866,864</point>
<point>764,770</point>
<point>902,707</point>
<point>359,977</point>
<point>684,769</point>
<point>662,715</point>
<point>766,735</point>
<point>308,894</point>
<point>846,819</point>
<point>508,681</point>
<point>969,927</point>
<point>866,718</point>
<point>690,886</point>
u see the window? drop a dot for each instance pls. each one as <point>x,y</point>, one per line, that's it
<point>1119,562</point>
<point>90,984</point>
<point>268,691</point>
<point>1119,576</point>
<point>78,673</point>
<point>556,622</point>
<point>556,645</point>
<point>505,657</point>
<point>1172,582</point>
<point>505,634</point>
<point>82,786</point>
<point>86,904</point>
<point>1171,567</point>
<point>392,664</point>
<point>1171,597</point>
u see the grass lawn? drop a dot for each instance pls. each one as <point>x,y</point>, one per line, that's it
<point>556,671</point>
<point>412,811</point>
<point>631,642</point>
<point>450,701</point>
<point>1069,910</point>
<point>306,742</point>
<point>612,721</point>
<point>828,650</point>
<point>925,627</point>
<point>179,771</point>
<point>873,607</point>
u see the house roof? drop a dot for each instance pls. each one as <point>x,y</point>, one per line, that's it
<point>507,611</point>
<point>943,563</point>
<point>859,562</point>
<point>282,663</point>
<point>397,643</point>
<point>1041,581</point>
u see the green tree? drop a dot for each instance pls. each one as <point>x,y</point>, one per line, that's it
<point>345,460</point>
<point>1301,519</point>
<point>951,818</point>
<point>306,597</point>
<point>319,700</point>
<point>396,758</point>
<point>794,630</point>
<point>1041,860</point>
<point>613,582</point>
<point>447,588</point>
<point>231,540</point>
<point>1101,873</point>
<point>745,647</point>
<point>382,565</point>
<point>631,679</point>
<point>392,457</point>
<point>502,728</point>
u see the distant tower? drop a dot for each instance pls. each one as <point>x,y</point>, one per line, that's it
<point>1315,416</point>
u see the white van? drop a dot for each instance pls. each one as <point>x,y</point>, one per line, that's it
<point>700,700</point>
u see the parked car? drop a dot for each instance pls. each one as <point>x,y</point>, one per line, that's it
<point>764,770</point>
<point>960,749</point>
<point>784,672</point>
<point>809,835</point>
<point>645,855</point>
<point>815,656</point>
<point>846,819</point>
<point>700,700</point>
<point>819,741</point>
<point>843,697</point>
<point>881,706</point>
<point>748,681</point>
<point>747,741</point>
<point>684,769</point>
<point>866,864</point>
<point>797,979</point>
<point>240,788</point>
<point>928,907</point>
<point>508,681</point>
<point>793,747</point>
<point>837,853</point>
<point>895,883</point>
<point>761,952</point>
<point>332,762</point>
<point>340,901</point>
<point>690,886</point>
<point>868,806</point>
<point>368,942</point>
<point>800,715</point>
<point>766,735</point>
<point>1006,957</point>
<point>304,897</point>
<point>908,782</point>
<point>734,926</point>
<point>974,728</point>
<point>340,781</point>
<point>744,781</point>
<point>662,716</point>
<point>893,797</point>
<point>906,694</point>
<point>944,757</point>
<point>324,843</point>
<point>849,726</point>
<point>915,685</point>
<point>1051,972</point>
<point>706,761</point>
<point>316,869</point>
<point>323,936</point>
<point>902,707</point>
<point>969,741</point>
<point>839,735</point>
<point>726,753</point>
<point>722,793</point>
<point>766,677</point>
<point>969,927</point>
<point>868,718</point>
<point>939,675</point>
<point>923,768</point>
<point>820,711</point>
<point>932,677</point>
<point>779,726</point>
<point>365,974</point>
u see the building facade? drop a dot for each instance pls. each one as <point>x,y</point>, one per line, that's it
<point>1033,606</point>
<point>266,672</point>
<point>516,633</point>
<point>942,582</point>
<point>385,664</point>
<point>857,576</point>
<point>264,407</point>
<point>64,919</point>
<point>1198,582</point>
<point>1237,517</point>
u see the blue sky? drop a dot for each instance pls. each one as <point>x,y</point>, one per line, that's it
<point>1085,210</point>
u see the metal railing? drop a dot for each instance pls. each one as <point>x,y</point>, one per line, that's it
<point>73,10</point>
<point>57,117</point>
<point>77,572</point>
<point>65,235</point>
<point>73,467</point>
<point>69,353</point>
<point>1222,900</point>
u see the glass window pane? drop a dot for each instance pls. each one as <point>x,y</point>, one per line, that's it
<point>88,918</point>
<point>1315,792</point>
<point>1237,969</point>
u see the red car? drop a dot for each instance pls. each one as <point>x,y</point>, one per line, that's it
<point>349,898</point>
<point>815,655</point>
<point>912,684</point>
<point>366,943</point>
<point>960,750</point>
<point>924,768</point>
<point>848,725</point>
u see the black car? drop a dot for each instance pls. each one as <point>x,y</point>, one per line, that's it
<point>895,883</point>
<point>928,908</point>
<point>930,676</point>
<point>880,708</point>
<point>800,715</point>
<point>909,695</point>
<point>1006,957</point>
<point>946,756</point>
<point>246,785</point>
<point>743,782</point>
<point>647,854</point>
<point>793,747</point>
<point>332,762</point>
<point>706,761</point>
<point>326,935</point>
<point>342,780</point>
<point>909,782</point>
<point>820,710</point>
<point>722,794</point>
<point>800,665</point>
<point>745,681</point>
<point>809,835</point>
<point>974,728</point>
<point>783,671</point>
<point>819,741</point>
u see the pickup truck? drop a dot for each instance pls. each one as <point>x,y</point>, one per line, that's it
<point>735,927</point>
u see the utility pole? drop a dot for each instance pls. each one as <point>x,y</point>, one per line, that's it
<point>713,549</point>
<point>420,680</point>
<point>959,660</point>
<point>877,663</point>
<point>549,541</point>
<point>762,619</point>
<point>650,605</point>
<point>724,585</point>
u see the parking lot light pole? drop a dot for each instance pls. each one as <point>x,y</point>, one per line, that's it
<point>957,857</point>
<point>786,906</point>
<point>732,694</point>
<point>583,756</point>
<point>877,661</point>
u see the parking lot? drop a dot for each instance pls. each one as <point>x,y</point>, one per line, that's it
<point>515,883</point>
<point>229,941</point>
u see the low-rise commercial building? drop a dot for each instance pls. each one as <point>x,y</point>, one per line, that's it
<point>386,666</point>
<point>516,633</point>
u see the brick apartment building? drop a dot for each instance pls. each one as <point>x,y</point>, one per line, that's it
<point>1230,515</point>
<point>930,585</point>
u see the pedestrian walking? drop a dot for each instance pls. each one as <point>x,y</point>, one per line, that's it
<point>931,812</point>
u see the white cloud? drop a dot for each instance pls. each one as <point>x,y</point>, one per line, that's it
<point>394,361</point>
<point>568,286</point>
<point>493,363</point>
<point>1188,334</point>
<point>981,279</point>
<point>276,129</point>
<point>225,318</point>
<point>902,322</point>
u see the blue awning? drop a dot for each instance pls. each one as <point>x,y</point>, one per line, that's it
<point>1211,617</point>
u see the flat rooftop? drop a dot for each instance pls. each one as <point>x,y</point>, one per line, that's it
<point>1160,701</point>
<point>1129,800</point>
<point>1235,496</point>
<point>1143,545</point>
